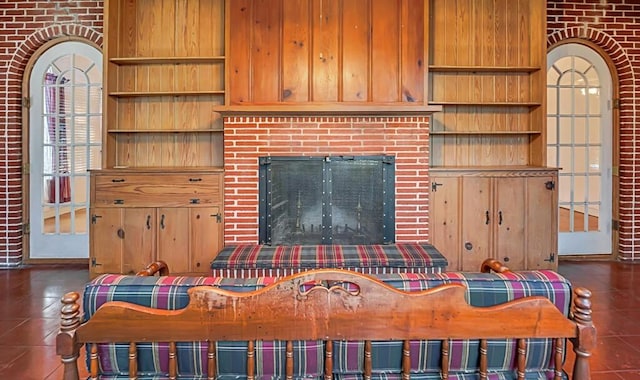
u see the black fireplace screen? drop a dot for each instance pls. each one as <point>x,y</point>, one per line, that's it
<point>327,200</point>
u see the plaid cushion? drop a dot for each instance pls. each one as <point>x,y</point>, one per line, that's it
<point>374,259</point>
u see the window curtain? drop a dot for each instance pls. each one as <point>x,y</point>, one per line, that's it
<point>56,131</point>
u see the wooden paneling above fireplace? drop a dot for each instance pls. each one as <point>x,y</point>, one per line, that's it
<point>330,51</point>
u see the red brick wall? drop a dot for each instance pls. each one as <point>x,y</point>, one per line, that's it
<point>247,138</point>
<point>25,26</point>
<point>614,26</point>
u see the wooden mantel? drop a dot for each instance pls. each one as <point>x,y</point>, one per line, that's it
<point>337,109</point>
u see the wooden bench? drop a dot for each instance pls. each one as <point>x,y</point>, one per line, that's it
<point>332,307</point>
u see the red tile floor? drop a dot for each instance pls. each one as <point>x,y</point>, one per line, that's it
<point>30,304</point>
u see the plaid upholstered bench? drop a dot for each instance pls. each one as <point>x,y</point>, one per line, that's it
<point>257,260</point>
<point>457,358</point>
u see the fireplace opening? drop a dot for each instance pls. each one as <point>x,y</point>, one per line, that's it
<point>327,200</point>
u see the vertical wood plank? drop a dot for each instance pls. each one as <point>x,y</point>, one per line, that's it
<point>266,41</point>
<point>463,84</point>
<point>446,217</point>
<point>356,47</point>
<point>412,49</point>
<point>509,219</point>
<point>385,59</point>
<point>325,56</point>
<point>240,59</point>
<point>173,238</point>
<point>295,51</point>
<point>439,15</point>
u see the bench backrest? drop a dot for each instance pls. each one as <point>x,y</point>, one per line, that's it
<point>361,317</point>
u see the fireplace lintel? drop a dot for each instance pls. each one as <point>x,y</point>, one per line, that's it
<point>324,109</point>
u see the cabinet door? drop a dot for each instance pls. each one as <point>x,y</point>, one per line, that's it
<point>206,231</point>
<point>542,223</point>
<point>509,214</point>
<point>105,253</point>
<point>139,239</point>
<point>122,239</point>
<point>173,238</point>
<point>477,222</point>
<point>445,219</point>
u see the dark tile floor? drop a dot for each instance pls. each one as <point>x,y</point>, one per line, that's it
<point>30,304</point>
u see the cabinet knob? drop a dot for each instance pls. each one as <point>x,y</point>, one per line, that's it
<point>468,246</point>
<point>120,233</point>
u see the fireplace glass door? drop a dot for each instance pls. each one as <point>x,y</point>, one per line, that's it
<point>327,200</point>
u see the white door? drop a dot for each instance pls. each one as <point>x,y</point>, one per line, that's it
<point>579,122</point>
<point>65,132</point>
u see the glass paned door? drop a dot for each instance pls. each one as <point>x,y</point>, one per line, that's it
<point>579,143</point>
<point>64,143</point>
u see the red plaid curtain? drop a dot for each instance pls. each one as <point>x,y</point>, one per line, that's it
<point>57,131</point>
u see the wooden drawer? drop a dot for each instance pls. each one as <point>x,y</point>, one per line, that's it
<point>157,189</point>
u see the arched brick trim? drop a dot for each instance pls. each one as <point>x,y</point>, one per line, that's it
<point>629,232</point>
<point>11,205</point>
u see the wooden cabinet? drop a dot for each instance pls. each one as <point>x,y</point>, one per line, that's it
<point>141,216</point>
<point>165,70</point>
<point>507,214</point>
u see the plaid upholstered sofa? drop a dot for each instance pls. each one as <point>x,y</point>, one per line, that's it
<point>482,289</point>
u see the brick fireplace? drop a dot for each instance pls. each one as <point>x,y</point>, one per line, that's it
<point>247,138</point>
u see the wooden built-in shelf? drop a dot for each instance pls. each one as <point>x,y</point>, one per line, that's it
<point>487,69</point>
<point>481,170</point>
<point>165,60</point>
<point>485,104</point>
<point>307,109</point>
<point>479,133</point>
<point>134,94</point>
<point>165,130</point>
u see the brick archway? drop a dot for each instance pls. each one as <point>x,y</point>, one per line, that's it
<point>12,149</point>
<point>629,165</point>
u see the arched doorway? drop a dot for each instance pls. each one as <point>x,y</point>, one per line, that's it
<point>579,141</point>
<point>65,140</point>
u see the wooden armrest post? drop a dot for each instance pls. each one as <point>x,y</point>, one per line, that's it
<point>493,265</point>
<point>66,344</point>
<point>157,267</point>
<point>585,342</point>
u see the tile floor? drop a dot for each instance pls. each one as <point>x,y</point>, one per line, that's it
<point>30,303</point>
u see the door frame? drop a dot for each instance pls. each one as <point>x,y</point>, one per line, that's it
<point>26,126</point>
<point>615,144</point>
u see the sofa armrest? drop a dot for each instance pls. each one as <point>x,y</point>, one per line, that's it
<point>493,265</point>
<point>159,267</point>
